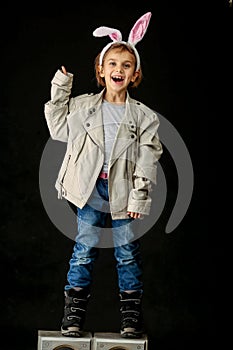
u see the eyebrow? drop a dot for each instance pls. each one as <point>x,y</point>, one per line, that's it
<point>114,59</point>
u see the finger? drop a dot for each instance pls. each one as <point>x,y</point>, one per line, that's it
<point>134,215</point>
<point>63,70</point>
<point>137,215</point>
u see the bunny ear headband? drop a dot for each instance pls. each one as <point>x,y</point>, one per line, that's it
<point>136,34</point>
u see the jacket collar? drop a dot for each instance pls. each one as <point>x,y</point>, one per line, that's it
<point>96,99</point>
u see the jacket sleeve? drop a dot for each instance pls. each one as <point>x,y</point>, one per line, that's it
<point>145,173</point>
<point>57,109</point>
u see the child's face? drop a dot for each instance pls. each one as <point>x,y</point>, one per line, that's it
<point>118,70</point>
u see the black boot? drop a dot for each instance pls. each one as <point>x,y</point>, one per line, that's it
<point>74,312</point>
<point>131,314</point>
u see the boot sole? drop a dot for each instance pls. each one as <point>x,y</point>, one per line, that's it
<point>74,333</point>
<point>125,334</point>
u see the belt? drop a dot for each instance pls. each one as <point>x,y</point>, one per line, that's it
<point>103,175</point>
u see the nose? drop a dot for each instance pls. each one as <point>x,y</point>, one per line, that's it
<point>118,69</point>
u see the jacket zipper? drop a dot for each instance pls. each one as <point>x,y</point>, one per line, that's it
<point>63,177</point>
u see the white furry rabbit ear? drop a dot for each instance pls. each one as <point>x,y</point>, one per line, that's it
<point>139,29</point>
<point>114,34</point>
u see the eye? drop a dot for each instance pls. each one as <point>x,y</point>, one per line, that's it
<point>112,63</point>
<point>127,65</point>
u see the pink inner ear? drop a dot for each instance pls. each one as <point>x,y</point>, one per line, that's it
<point>115,36</point>
<point>139,29</point>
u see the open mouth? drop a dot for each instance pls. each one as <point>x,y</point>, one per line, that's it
<point>118,79</point>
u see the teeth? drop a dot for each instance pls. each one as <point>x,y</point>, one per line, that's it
<point>117,78</point>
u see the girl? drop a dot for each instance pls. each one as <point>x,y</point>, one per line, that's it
<point>110,163</point>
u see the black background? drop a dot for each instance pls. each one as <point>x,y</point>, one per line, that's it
<point>179,51</point>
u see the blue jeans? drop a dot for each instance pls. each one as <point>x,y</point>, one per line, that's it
<point>92,219</point>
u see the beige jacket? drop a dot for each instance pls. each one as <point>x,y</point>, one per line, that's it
<point>136,150</point>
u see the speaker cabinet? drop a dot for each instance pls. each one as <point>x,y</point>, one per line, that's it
<point>113,341</point>
<point>54,340</point>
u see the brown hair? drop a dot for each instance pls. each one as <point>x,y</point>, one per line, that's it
<point>122,47</point>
